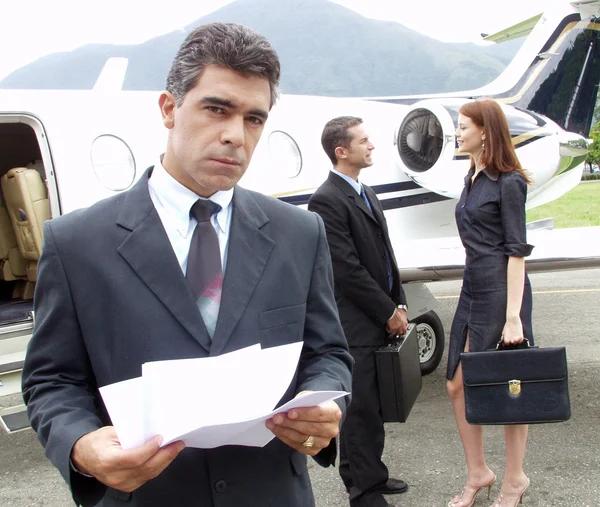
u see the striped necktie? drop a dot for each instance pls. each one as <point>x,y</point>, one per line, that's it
<point>204,272</point>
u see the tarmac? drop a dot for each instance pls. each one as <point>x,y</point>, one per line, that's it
<point>562,459</point>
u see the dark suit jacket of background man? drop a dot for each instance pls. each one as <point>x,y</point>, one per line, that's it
<point>111,295</point>
<point>359,244</point>
<point>358,240</point>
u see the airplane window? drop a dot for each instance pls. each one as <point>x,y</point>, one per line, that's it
<point>113,162</point>
<point>285,154</point>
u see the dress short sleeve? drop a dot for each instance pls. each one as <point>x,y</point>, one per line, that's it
<point>513,194</point>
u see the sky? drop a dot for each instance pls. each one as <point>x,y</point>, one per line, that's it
<point>35,28</point>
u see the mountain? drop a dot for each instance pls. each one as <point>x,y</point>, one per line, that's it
<point>325,49</point>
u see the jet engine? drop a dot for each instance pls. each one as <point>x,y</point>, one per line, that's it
<point>426,146</point>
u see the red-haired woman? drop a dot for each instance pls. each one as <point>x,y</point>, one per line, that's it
<point>495,299</point>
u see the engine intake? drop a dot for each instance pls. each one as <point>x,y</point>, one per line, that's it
<point>420,140</point>
<point>426,146</point>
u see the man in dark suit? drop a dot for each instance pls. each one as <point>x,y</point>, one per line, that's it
<point>187,264</point>
<point>370,300</point>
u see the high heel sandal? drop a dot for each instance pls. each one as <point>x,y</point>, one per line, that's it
<point>499,502</point>
<point>452,503</point>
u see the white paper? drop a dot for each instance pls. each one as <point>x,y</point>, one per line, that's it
<point>124,402</point>
<point>251,432</point>
<point>208,402</point>
<point>180,396</point>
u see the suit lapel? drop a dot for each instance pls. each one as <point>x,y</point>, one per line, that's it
<point>247,255</point>
<point>149,253</point>
<point>378,212</point>
<point>345,187</point>
<point>376,206</point>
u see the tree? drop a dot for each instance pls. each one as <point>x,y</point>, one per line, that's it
<point>593,156</point>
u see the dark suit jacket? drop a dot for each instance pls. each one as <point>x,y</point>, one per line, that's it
<point>111,295</point>
<point>359,241</point>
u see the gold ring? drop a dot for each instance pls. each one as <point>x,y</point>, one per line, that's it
<point>309,442</point>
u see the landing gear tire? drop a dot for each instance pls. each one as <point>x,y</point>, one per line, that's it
<point>430,336</point>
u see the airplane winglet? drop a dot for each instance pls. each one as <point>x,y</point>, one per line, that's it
<point>514,32</point>
<point>112,76</point>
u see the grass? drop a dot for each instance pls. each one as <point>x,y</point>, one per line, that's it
<point>578,208</point>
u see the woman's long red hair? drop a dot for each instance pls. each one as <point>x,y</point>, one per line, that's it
<point>499,153</point>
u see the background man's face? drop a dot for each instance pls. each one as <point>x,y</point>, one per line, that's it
<point>360,149</point>
<point>215,130</point>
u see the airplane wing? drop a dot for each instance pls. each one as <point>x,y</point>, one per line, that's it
<point>438,259</point>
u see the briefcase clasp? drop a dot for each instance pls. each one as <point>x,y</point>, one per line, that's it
<point>514,386</point>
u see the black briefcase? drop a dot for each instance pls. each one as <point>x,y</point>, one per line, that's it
<point>516,386</point>
<point>399,375</point>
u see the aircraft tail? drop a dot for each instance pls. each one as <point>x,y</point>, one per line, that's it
<point>562,81</point>
<point>555,73</point>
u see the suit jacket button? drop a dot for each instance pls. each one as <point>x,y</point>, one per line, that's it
<point>220,486</point>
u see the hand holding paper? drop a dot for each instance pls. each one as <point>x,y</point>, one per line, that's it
<point>100,454</point>
<point>214,401</point>
<point>320,422</point>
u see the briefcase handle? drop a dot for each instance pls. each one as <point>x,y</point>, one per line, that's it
<point>502,346</point>
<point>392,338</point>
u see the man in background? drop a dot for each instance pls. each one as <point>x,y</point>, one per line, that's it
<point>370,300</point>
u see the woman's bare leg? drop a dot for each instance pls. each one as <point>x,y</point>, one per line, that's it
<point>478,473</point>
<point>515,480</point>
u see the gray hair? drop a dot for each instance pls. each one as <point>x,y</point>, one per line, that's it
<point>336,134</point>
<point>228,45</point>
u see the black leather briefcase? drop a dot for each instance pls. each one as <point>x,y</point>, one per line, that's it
<point>399,375</point>
<point>516,386</point>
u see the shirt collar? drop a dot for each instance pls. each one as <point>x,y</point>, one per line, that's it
<point>356,185</point>
<point>177,200</point>
<point>223,198</point>
<point>491,175</point>
<point>486,170</point>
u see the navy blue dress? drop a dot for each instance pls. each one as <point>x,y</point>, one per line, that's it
<point>490,216</point>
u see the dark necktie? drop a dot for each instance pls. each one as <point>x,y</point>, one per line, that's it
<point>388,261</point>
<point>204,273</point>
<point>364,196</point>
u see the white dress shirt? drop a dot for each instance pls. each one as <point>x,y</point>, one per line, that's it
<point>173,202</point>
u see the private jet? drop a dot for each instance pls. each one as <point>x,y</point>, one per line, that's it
<point>61,150</point>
